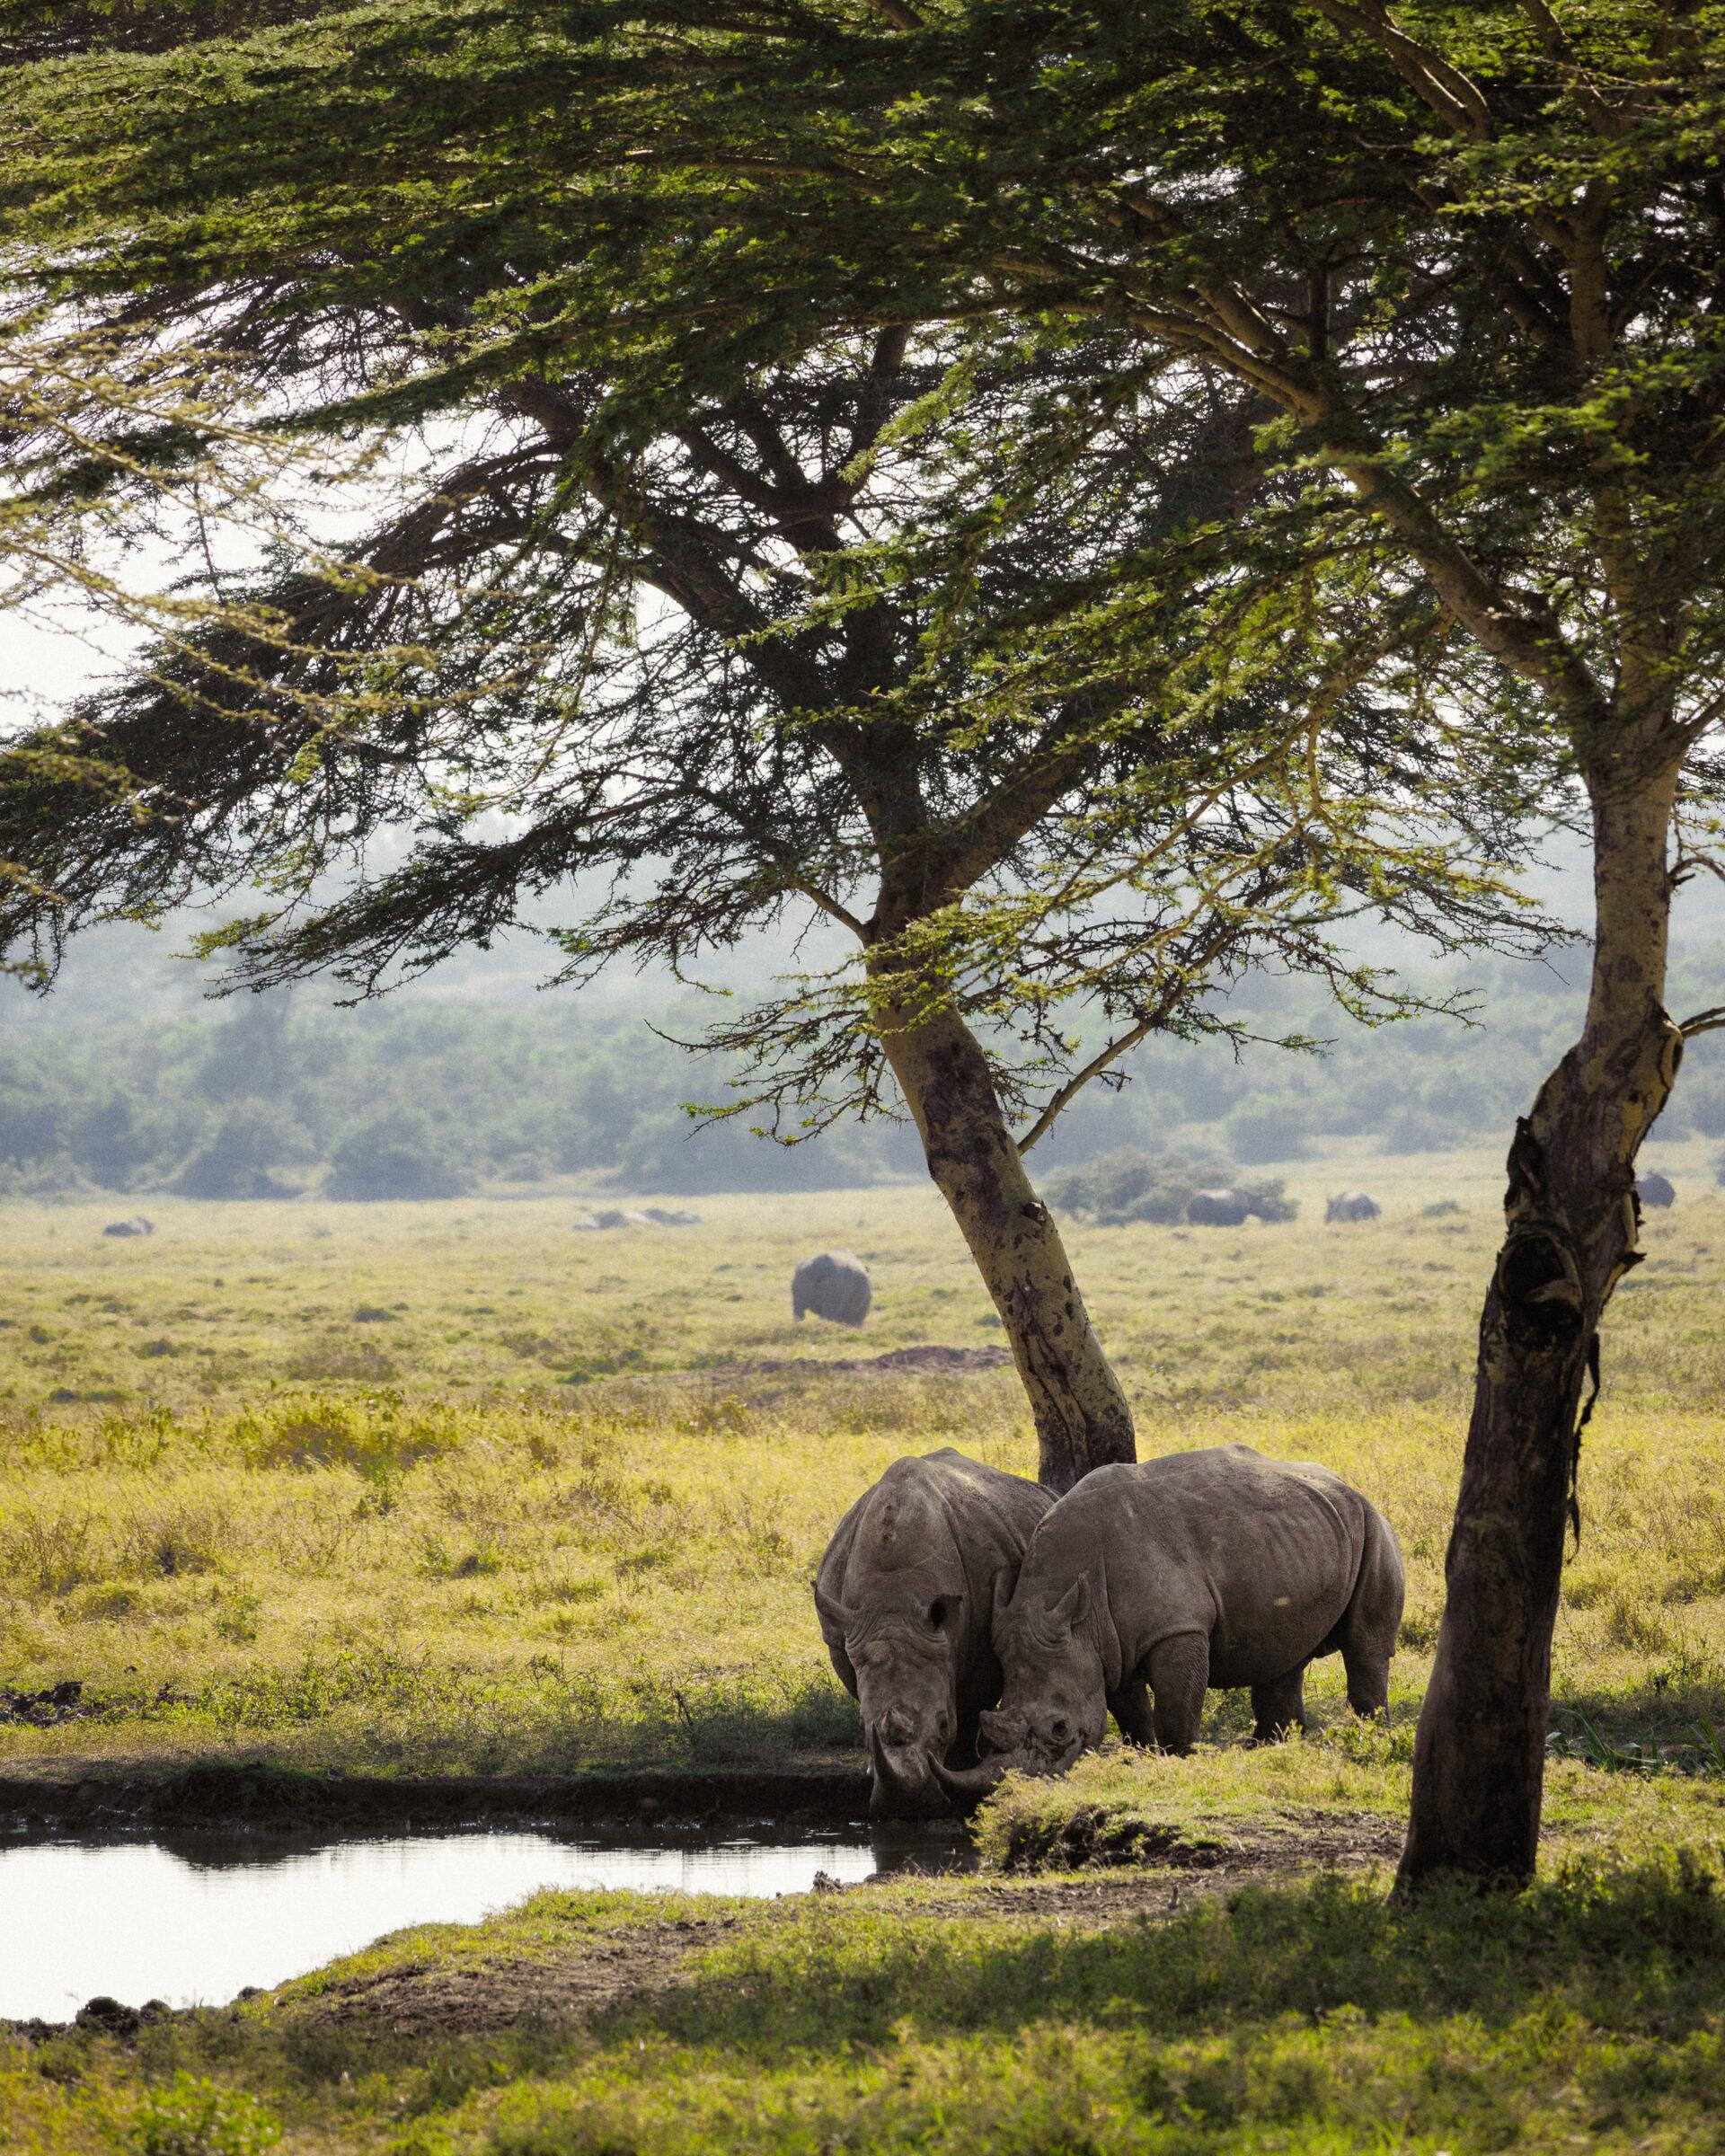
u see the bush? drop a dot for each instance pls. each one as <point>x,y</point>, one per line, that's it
<point>236,1161</point>
<point>398,1156</point>
<point>1128,1185</point>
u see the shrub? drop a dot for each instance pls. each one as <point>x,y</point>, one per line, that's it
<point>1129,1185</point>
<point>235,1162</point>
<point>397,1156</point>
<point>192,2116</point>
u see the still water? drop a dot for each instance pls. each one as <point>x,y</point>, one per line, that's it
<point>194,1919</point>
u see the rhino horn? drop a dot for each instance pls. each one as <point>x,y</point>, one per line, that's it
<point>834,1614</point>
<point>969,1785</point>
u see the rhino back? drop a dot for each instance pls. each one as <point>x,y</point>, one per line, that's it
<point>1259,1556</point>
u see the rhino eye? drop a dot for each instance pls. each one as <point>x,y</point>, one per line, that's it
<point>937,1613</point>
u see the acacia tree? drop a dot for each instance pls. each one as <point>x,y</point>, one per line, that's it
<point>745,636</point>
<point>1470,257</point>
<point>1473,257</point>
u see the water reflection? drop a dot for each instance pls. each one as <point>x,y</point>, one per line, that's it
<point>193,1918</point>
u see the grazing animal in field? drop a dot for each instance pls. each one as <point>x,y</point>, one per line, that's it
<point>1219,1208</point>
<point>1654,1190</point>
<point>834,1285</point>
<point>1208,1570</point>
<point>905,1595</point>
<point>1352,1204</point>
<point>136,1225</point>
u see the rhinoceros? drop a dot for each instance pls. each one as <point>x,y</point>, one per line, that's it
<point>1219,1208</point>
<point>905,1594</point>
<point>1215,1568</point>
<point>835,1285</point>
<point>1352,1205</point>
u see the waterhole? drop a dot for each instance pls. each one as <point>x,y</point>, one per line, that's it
<point>194,1918</point>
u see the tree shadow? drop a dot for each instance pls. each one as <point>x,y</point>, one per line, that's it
<point>1638,1949</point>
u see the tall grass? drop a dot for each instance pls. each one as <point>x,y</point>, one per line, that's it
<point>479,1564</point>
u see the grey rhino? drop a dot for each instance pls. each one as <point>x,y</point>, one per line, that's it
<point>834,1285</point>
<point>905,1595</point>
<point>1352,1205</point>
<point>1218,1209</point>
<point>1212,1568</point>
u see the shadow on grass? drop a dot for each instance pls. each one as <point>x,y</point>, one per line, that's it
<point>1634,1949</point>
<point>1680,1709</point>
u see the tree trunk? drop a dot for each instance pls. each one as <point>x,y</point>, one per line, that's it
<point>1081,1417</point>
<point>1572,1217</point>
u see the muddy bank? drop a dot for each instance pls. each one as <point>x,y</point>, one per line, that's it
<point>262,1799</point>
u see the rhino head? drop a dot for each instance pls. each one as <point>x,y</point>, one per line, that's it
<point>902,1649</point>
<point>1054,1703</point>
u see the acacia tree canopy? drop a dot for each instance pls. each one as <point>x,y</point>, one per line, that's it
<point>662,247</point>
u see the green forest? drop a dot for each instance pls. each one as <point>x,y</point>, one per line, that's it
<point>429,1097</point>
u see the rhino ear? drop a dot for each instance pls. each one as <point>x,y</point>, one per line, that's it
<point>1004,1582</point>
<point>833,1612</point>
<point>1073,1606</point>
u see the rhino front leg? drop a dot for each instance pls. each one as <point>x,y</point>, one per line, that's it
<point>1130,1707</point>
<point>1180,1675</point>
<point>1279,1708</point>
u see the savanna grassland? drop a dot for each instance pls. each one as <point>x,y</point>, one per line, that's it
<point>450,1486</point>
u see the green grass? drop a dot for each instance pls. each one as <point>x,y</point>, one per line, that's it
<point>476,1564</point>
<point>1308,2017</point>
<point>539,1517</point>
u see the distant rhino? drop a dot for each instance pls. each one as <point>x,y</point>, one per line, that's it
<point>136,1225</point>
<point>1208,1570</point>
<point>905,1595</point>
<point>1219,1208</point>
<point>1352,1204</point>
<point>1655,1190</point>
<point>834,1285</point>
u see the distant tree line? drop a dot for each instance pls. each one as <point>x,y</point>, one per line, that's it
<point>430,1100</point>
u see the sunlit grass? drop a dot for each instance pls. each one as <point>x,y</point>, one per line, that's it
<point>479,1564</point>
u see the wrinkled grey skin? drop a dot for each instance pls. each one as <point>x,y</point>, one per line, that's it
<point>1217,1569</point>
<point>905,1594</point>
<point>1217,1209</point>
<point>1352,1205</point>
<point>834,1285</point>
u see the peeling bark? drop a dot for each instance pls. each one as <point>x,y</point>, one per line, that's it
<point>1081,1417</point>
<point>1571,1219</point>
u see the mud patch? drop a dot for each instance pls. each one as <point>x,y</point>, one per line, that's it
<point>1101,1837</point>
<point>427,1997</point>
<point>46,1708</point>
<point>1097,1835</point>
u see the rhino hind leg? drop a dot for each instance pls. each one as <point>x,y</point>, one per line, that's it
<point>1278,1709</point>
<point>1130,1707</point>
<point>1367,1633</point>
<point>1180,1675</point>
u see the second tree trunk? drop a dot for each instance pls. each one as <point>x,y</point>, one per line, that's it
<point>1572,1218</point>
